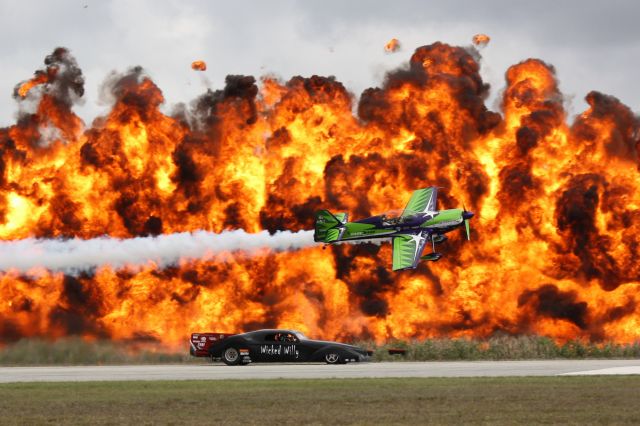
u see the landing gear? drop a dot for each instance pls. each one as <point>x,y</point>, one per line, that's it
<point>433,256</point>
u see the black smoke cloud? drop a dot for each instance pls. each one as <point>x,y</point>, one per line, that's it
<point>549,301</point>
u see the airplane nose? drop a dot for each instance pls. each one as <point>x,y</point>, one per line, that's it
<point>467,215</point>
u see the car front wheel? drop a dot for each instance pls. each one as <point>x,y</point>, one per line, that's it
<point>231,356</point>
<point>332,358</point>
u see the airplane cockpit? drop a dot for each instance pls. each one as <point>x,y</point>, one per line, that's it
<point>395,217</point>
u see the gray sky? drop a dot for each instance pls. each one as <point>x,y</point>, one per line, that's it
<point>594,45</point>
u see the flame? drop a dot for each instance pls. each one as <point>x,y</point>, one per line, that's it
<point>554,241</point>
<point>199,65</point>
<point>392,46</point>
<point>481,39</point>
<point>38,79</point>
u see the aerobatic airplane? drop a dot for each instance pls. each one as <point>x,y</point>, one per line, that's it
<point>409,229</point>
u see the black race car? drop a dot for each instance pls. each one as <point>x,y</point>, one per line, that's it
<point>273,346</point>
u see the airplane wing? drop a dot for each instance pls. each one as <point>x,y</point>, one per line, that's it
<point>422,200</point>
<point>407,249</point>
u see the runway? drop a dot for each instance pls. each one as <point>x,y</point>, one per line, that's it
<point>318,371</point>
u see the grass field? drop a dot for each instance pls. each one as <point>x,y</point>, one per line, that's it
<point>503,347</point>
<point>76,351</point>
<point>557,400</point>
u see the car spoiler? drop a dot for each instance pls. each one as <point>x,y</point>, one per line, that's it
<point>201,342</point>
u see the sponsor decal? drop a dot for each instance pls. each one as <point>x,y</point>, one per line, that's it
<point>280,350</point>
<point>244,352</point>
<point>447,223</point>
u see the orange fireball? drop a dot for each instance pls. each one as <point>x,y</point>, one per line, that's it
<point>554,251</point>
<point>481,39</point>
<point>198,66</point>
<point>392,46</point>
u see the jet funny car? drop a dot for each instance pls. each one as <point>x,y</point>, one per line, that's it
<point>409,230</point>
<point>272,346</point>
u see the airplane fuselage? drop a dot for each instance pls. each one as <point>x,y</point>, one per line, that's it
<point>434,223</point>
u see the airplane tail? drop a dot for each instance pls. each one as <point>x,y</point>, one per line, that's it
<point>328,226</point>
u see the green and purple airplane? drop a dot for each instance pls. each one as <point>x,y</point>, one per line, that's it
<point>409,229</point>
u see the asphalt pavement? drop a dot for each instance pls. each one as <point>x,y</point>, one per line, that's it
<point>208,371</point>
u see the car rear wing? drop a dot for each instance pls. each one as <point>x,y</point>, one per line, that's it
<point>200,342</point>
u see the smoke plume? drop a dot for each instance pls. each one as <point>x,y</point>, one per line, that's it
<point>74,256</point>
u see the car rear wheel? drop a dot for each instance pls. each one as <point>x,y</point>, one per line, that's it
<point>231,356</point>
<point>332,358</point>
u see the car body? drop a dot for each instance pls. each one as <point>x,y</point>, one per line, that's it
<point>273,345</point>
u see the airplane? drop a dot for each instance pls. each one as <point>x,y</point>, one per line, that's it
<point>410,229</point>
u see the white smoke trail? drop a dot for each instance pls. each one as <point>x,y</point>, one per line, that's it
<point>75,256</point>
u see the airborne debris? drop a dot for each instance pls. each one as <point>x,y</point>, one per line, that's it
<point>199,65</point>
<point>392,46</point>
<point>481,40</point>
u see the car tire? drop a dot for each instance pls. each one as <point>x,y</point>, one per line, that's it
<point>332,358</point>
<point>231,356</point>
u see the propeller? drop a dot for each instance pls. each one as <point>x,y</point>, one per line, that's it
<point>466,215</point>
<point>466,226</point>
